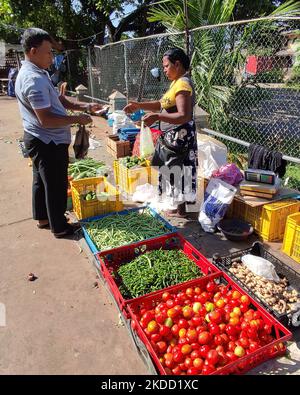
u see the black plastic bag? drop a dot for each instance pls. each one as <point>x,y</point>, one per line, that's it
<point>81,143</point>
<point>165,156</point>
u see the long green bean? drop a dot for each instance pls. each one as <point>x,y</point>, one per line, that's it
<point>117,230</point>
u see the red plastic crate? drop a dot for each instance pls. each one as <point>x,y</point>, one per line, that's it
<point>240,366</point>
<point>111,260</point>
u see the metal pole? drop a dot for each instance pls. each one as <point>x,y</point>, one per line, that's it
<point>96,99</point>
<point>90,72</point>
<point>126,72</point>
<point>187,36</point>
<point>244,143</point>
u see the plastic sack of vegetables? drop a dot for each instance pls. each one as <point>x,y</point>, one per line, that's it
<point>146,142</point>
<point>217,198</point>
<point>81,142</point>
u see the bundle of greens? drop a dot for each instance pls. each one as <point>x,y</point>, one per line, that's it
<point>154,271</point>
<point>86,168</point>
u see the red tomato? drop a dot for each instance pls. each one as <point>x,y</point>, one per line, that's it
<point>218,340</point>
<point>148,316</point>
<point>160,318</point>
<point>172,313</point>
<point>204,350</point>
<point>156,337</point>
<point>192,335</point>
<point>245,299</point>
<point>182,323</point>
<point>203,297</point>
<point>244,307</point>
<point>195,346</point>
<point>204,337</point>
<point>197,290</point>
<point>223,358</point>
<point>176,371</point>
<point>187,312</point>
<point>192,371</point>
<point>164,331</point>
<point>253,346</point>
<point>268,328</point>
<point>175,329</point>
<point>212,357</point>
<point>210,286</point>
<point>189,292</point>
<point>215,316</point>
<point>196,320</point>
<point>188,362</point>
<point>230,329</point>
<point>231,356</point>
<point>161,346</point>
<point>208,369</point>
<point>182,341</point>
<point>170,303</point>
<point>195,354</point>
<point>166,296</point>
<point>213,328</point>
<point>198,363</point>
<point>152,327</point>
<point>169,363</point>
<point>186,349</point>
<point>178,356</point>
<point>244,342</point>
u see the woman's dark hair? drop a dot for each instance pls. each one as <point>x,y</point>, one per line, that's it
<point>178,54</point>
<point>33,38</point>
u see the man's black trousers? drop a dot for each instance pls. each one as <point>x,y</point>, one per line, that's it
<point>50,181</point>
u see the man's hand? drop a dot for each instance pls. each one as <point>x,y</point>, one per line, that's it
<point>132,107</point>
<point>150,118</point>
<point>84,119</point>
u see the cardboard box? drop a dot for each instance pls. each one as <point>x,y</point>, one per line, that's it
<point>116,147</point>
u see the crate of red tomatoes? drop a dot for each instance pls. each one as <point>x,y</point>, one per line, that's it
<point>141,268</point>
<point>206,326</point>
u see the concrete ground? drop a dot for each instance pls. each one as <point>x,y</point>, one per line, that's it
<point>64,322</point>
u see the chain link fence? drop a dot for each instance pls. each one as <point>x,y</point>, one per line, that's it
<point>246,77</point>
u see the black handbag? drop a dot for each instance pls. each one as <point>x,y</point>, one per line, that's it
<point>165,155</point>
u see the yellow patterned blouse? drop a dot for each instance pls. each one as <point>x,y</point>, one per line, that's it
<point>169,98</point>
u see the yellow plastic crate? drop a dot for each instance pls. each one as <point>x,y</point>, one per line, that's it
<point>129,179</point>
<point>154,176</point>
<point>90,208</point>
<point>291,241</point>
<point>269,220</point>
<point>274,217</point>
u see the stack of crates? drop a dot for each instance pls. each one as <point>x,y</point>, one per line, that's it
<point>291,241</point>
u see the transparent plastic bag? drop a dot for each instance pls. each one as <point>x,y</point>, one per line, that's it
<point>146,142</point>
<point>260,266</point>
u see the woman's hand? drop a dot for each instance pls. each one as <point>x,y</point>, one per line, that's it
<point>150,118</point>
<point>132,107</point>
<point>93,107</point>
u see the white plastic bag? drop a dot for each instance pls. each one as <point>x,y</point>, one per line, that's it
<point>260,266</point>
<point>144,193</point>
<point>217,198</point>
<point>146,142</point>
<point>212,154</point>
<point>120,120</point>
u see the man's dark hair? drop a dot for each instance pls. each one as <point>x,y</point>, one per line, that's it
<point>34,37</point>
<point>178,54</point>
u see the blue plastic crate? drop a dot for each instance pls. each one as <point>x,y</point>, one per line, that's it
<point>90,242</point>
